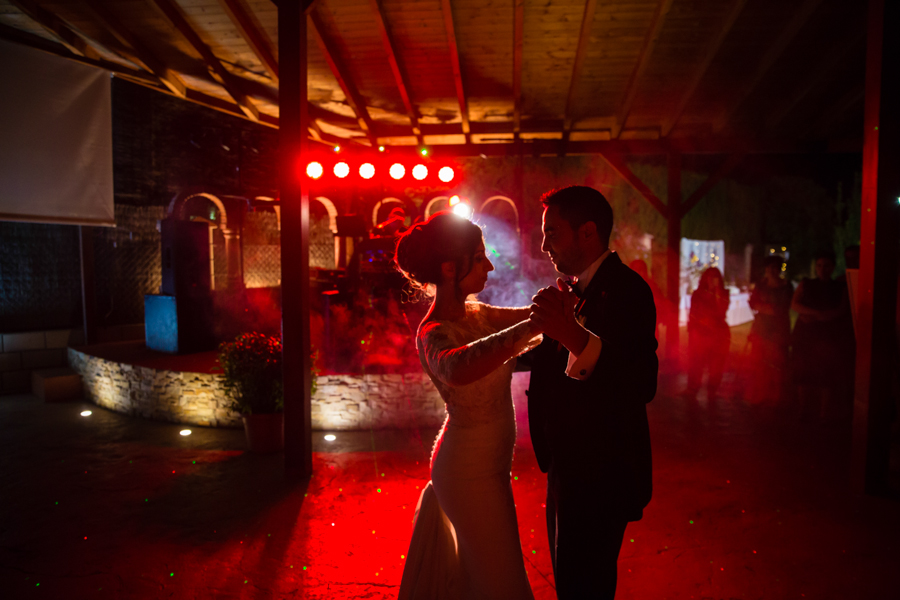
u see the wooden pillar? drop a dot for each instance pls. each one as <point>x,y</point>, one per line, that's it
<point>88,293</point>
<point>295,301</point>
<point>877,291</point>
<point>673,254</point>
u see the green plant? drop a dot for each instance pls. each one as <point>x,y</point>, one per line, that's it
<point>251,373</point>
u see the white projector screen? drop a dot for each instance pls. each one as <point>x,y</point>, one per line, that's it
<point>55,139</point>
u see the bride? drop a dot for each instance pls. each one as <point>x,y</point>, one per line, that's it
<point>465,542</point>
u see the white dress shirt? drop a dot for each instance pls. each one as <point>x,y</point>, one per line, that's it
<point>580,366</point>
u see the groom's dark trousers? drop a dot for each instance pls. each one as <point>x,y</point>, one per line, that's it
<point>591,436</point>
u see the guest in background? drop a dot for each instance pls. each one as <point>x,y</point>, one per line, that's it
<point>816,353</point>
<point>770,334</point>
<point>709,337</point>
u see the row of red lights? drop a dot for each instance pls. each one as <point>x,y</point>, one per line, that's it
<point>315,170</point>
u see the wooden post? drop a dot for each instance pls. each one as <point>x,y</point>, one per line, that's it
<point>88,293</point>
<point>876,344</point>
<point>673,253</point>
<point>295,302</point>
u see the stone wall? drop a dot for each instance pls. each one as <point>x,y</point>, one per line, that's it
<point>342,402</point>
<point>193,398</point>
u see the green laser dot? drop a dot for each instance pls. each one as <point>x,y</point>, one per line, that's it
<point>172,574</point>
<point>193,462</point>
<point>534,551</point>
<point>37,585</point>
<point>691,522</point>
<point>245,581</point>
<point>378,490</point>
<point>304,568</point>
<point>516,477</point>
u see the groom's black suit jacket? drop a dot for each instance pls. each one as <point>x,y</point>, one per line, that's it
<point>594,433</point>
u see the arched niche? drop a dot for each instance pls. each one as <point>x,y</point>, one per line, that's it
<point>332,212</point>
<point>430,207</point>
<point>382,203</point>
<point>508,204</point>
<point>179,210</point>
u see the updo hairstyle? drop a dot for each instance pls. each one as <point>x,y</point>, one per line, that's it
<point>423,248</point>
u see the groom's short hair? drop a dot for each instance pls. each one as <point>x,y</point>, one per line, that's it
<point>579,204</point>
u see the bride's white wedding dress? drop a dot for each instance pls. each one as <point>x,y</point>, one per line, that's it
<point>465,543</point>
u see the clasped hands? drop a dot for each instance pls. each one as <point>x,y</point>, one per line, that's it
<point>553,313</point>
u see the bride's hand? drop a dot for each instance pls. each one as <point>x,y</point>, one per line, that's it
<point>534,322</point>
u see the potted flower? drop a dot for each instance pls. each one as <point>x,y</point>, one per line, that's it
<point>251,374</point>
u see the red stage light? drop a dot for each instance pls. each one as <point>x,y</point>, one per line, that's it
<point>367,170</point>
<point>446,174</point>
<point>314,170</point>
<point>420,172</point>
<point>397,171</point>
<point>342,169</point>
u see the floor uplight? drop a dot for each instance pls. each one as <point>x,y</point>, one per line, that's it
<point>85,413</point>
<point>330,437</point>
<point>185,432</point>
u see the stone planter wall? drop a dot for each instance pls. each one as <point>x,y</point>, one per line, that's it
<point>342,402</point>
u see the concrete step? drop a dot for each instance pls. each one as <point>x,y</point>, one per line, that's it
<point>56,385</point>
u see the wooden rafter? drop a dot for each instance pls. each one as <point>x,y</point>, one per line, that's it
<point>216,69</point>
<point>34,41</point>
<point>617,162</point>
<point>518,36</point>
<point>768,60</point>
<point>814,78</point>
<point>659,17</point>
<point>399,77</point>
<point>584,37</point>
<point>711,52</point>
<point>457,70</point>
<point>342,74</point>
<point>730,163</point>
<point>140,53</point>
<point>59,28</point>
<point>252,35</point>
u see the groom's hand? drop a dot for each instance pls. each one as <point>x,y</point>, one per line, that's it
<point>553,311</point>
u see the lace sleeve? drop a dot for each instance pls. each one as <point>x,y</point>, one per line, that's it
<point>454,365</point>
<point>503,317</point>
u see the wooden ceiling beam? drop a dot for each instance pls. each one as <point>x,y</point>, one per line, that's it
<point>342,74</point>
<point>215,67</point>
<point>457,70</point>
<point>39,43</point>
<point>584,38</point>
<point>656,24</point>
<point>814,78</point>
<point>800,18</point>
<point>252,35</point>
<point>617,162</point>
<point>139,51</point>
<point>61,30</point>
<point>399,77</point>
<point>711,52</point>
<point>730,163</point>
<point>518,37</point>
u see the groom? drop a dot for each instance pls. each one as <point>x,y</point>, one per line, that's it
<point>591,379</point>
